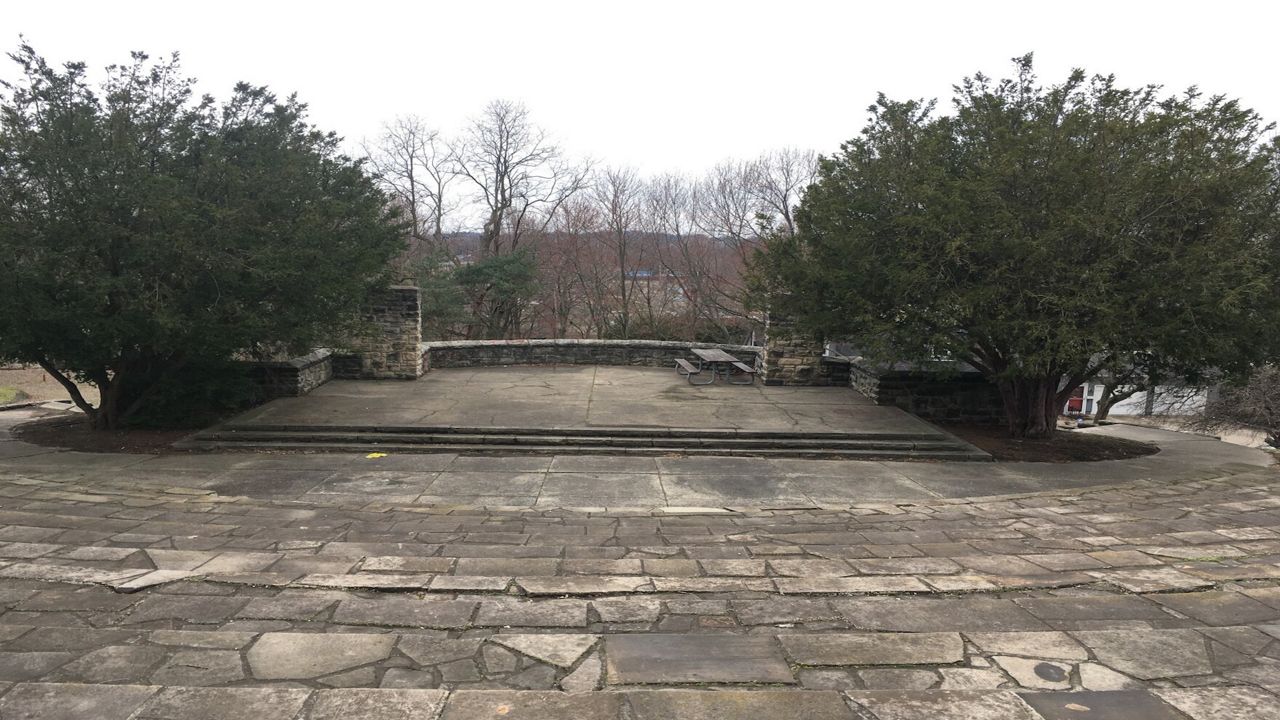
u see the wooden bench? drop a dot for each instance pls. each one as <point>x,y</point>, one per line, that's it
<point>687,369</point>
<point>743,371</point>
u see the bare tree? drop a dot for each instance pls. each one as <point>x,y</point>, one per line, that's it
<point>415,166</point>
<point>520,176</point>
<point>618,193</point>
<point>726,205</point>
<point>520,179</point>
<point>778,181</point>
<point>670,215</point>
<point>572,280</point>
<point>1254,404</point>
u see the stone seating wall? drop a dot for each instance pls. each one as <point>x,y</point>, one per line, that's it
<point>638,353</point>
<point>946,393</point>
<point>294,376</point>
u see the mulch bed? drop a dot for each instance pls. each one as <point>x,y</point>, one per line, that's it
<point>1066,445</point>
<point>73,433</point>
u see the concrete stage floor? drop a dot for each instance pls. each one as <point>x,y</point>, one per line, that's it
<point>583,397</point>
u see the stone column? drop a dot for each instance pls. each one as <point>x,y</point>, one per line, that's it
<point>791,357</point>
<point>387,345</point>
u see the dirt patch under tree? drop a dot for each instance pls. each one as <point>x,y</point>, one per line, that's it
<point>1064,447</point>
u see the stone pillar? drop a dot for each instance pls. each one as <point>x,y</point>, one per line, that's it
<point>791,357</point>
<point>387,345</point>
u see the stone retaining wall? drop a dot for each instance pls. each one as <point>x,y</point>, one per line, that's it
<point>644,353</point>
<point>387,345</point>
<point>293,377</point>
<point>950,394</point>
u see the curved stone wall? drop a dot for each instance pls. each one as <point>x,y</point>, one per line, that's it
<point>647,353</point>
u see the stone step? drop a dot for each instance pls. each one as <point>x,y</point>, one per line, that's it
<point>605,442</point>
<point>36,701</point>
<point>577,661</point>
<point>906,451</point>
<point>584,432</point>
<point>890,603</point>
<point>423,568</point>
<point>626,440</point>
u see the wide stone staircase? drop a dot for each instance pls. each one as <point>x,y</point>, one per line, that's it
<point>929,445</point>
<point>135,598</point>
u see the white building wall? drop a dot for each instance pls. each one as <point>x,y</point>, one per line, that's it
<point>1170,400</point>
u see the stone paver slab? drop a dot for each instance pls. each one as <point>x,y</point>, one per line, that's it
<point>936,615</point>
<point>21,666</point>
<point>151,579</point>
<point>427,650</point>
<point>876,584</point>
<point>1154,579</point>
<point>783,610</point>
<point>1219,608</point>
<point>944,705</point>
<point>401,564</point>
<point>675,659</point>
<point>559,649</point>
<point>210,639</point>
<point>302,656</point>
<point>586,678</point>
<point>627,609</point>
<point>112,664</point>
<point>184,608</point>
<point>400,611</point>
<point>531,705</point>
<point>67,573</point>
<point>1053,645</point>
<point>51,701</point>
<point>1121,705</point>
<point>737,705</point>
<point>376,704</point>
<point>371,581</point>
<point>1219,703</point>
<point>60,639</point>
<point>874,648</point>
<point>196,703</point>
<point>1092,607</point>
<point>1100,677</point>
<point>584,585</point>
<point>504,612</point>
<point>200,667</point>
<point>1149,654</point>
<point>1036,674</point>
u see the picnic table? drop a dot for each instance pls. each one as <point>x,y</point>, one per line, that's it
<point>719,362</point>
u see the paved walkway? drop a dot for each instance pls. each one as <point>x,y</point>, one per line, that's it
<point>156,588</point>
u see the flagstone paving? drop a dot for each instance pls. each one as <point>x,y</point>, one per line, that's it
<point>143,597</point>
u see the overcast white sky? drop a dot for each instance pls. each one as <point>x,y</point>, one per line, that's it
<point>656,84</point>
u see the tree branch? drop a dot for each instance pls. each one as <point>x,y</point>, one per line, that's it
<point>71,388</point>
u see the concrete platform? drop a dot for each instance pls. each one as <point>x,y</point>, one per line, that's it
<point>585,410</point>
<point>582,397</point>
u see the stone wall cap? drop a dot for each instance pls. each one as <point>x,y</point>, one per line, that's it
<point>301,361</point>
<point>574,342</point>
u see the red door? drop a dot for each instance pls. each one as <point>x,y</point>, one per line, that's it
<point>1075,403</point>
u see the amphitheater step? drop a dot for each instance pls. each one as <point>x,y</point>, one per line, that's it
<point>569,441</point>
<point>152,702</point>
<point>365,653</point>
<point>514,449</point>
<point>592,431</point>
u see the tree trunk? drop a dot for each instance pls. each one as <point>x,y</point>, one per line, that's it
<point>1031,406</point>
<point>1110,398</point>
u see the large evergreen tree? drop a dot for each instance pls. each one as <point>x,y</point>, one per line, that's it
<point>1042,233</point>
<point>143,228</point>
